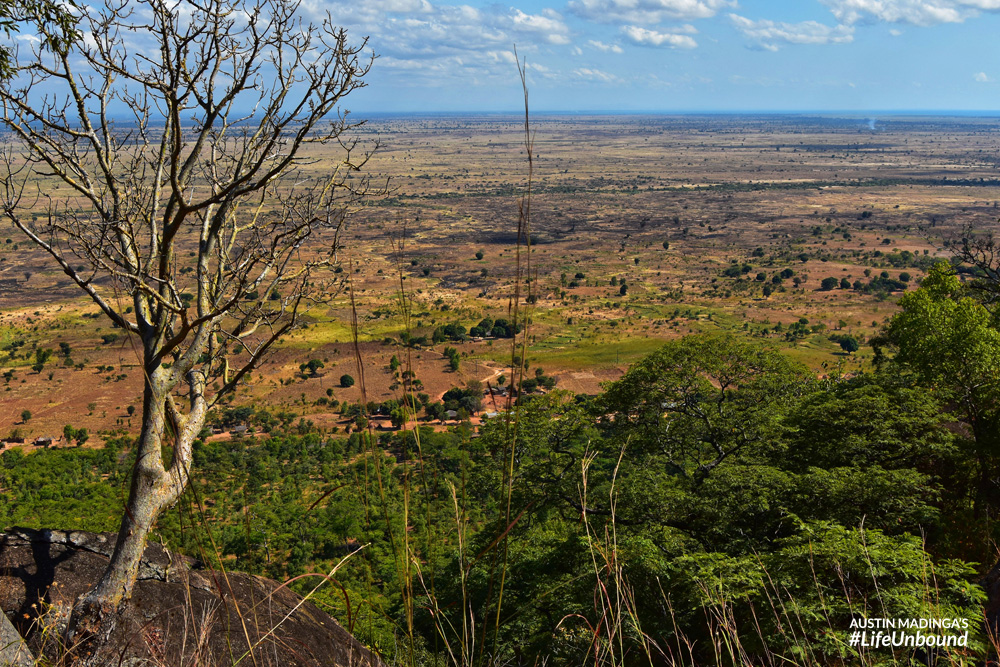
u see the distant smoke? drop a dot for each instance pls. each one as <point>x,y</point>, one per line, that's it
<point>871,124</point>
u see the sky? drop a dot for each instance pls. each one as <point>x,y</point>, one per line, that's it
<point>861,56</point>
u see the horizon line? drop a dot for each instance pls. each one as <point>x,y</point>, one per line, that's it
<point>976,113</point>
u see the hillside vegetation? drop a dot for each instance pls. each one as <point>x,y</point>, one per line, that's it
<point>718,504</point>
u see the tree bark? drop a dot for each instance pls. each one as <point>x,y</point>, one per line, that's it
<point>154,488</point>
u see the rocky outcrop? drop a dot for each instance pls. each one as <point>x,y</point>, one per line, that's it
<point>181,614</point>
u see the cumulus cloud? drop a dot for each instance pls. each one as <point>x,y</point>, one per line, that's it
<point>914,12</point>
<point>607,48</point>
<point>771,34</point>
<point>547,26</point>
<point>647,11</point>
<point>646,37</point>
<point>459,35</point>
<point>982,77</point>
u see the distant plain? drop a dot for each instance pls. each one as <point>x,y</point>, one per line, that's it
<point>676,208</point>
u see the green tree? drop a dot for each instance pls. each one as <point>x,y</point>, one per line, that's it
<point>41,357</point>
<point>398,417</point>
<point>849,344</point>
<point>25,416</point>
<point>346,380</point>
<point>312,367</point>
<point>947,338</point>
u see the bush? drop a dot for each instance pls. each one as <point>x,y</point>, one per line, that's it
<point>346,380</point>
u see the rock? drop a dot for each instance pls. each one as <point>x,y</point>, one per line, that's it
<point>13,651</point>
<point>181,614</point>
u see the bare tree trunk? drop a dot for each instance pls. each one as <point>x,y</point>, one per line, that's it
<point>154,488</point>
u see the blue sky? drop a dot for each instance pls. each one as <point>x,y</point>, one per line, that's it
<point>678,55</point>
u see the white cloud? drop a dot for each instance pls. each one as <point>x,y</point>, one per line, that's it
<point>646,37</point>
<point>607,48</point>
<point>596,75</point>
<point>459,37</point>
<point>647,11</point>
<point>915,12</point>
<point>770,34</point>
<point>982,77</point>
<point>895,32</point>
<point>576,51</point>
<point>548,25</point>
<point>483,68</point>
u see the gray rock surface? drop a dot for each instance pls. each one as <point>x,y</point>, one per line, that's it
<point>181,614</point>
<point>13,651</point>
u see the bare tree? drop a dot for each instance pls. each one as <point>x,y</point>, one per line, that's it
<point>981,251</point>
<point>177,159</point>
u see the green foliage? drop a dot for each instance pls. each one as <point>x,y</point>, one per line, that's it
<point>57,17</point>
<point>949,341</point>
<point>717,490</point>
<point>818,580</point>
<point>311,367</point>
<point>454,360</point>
<point>79,489</point>
<point>346,380</point>
<point>949,338</point>
<point>849,344</point>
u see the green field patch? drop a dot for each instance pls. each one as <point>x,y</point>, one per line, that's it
<point>584,354</point>
<point>818,349</point>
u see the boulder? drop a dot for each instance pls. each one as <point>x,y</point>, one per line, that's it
<point>181,613</point>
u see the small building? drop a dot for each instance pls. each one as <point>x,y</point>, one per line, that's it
<point>44,441</point>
